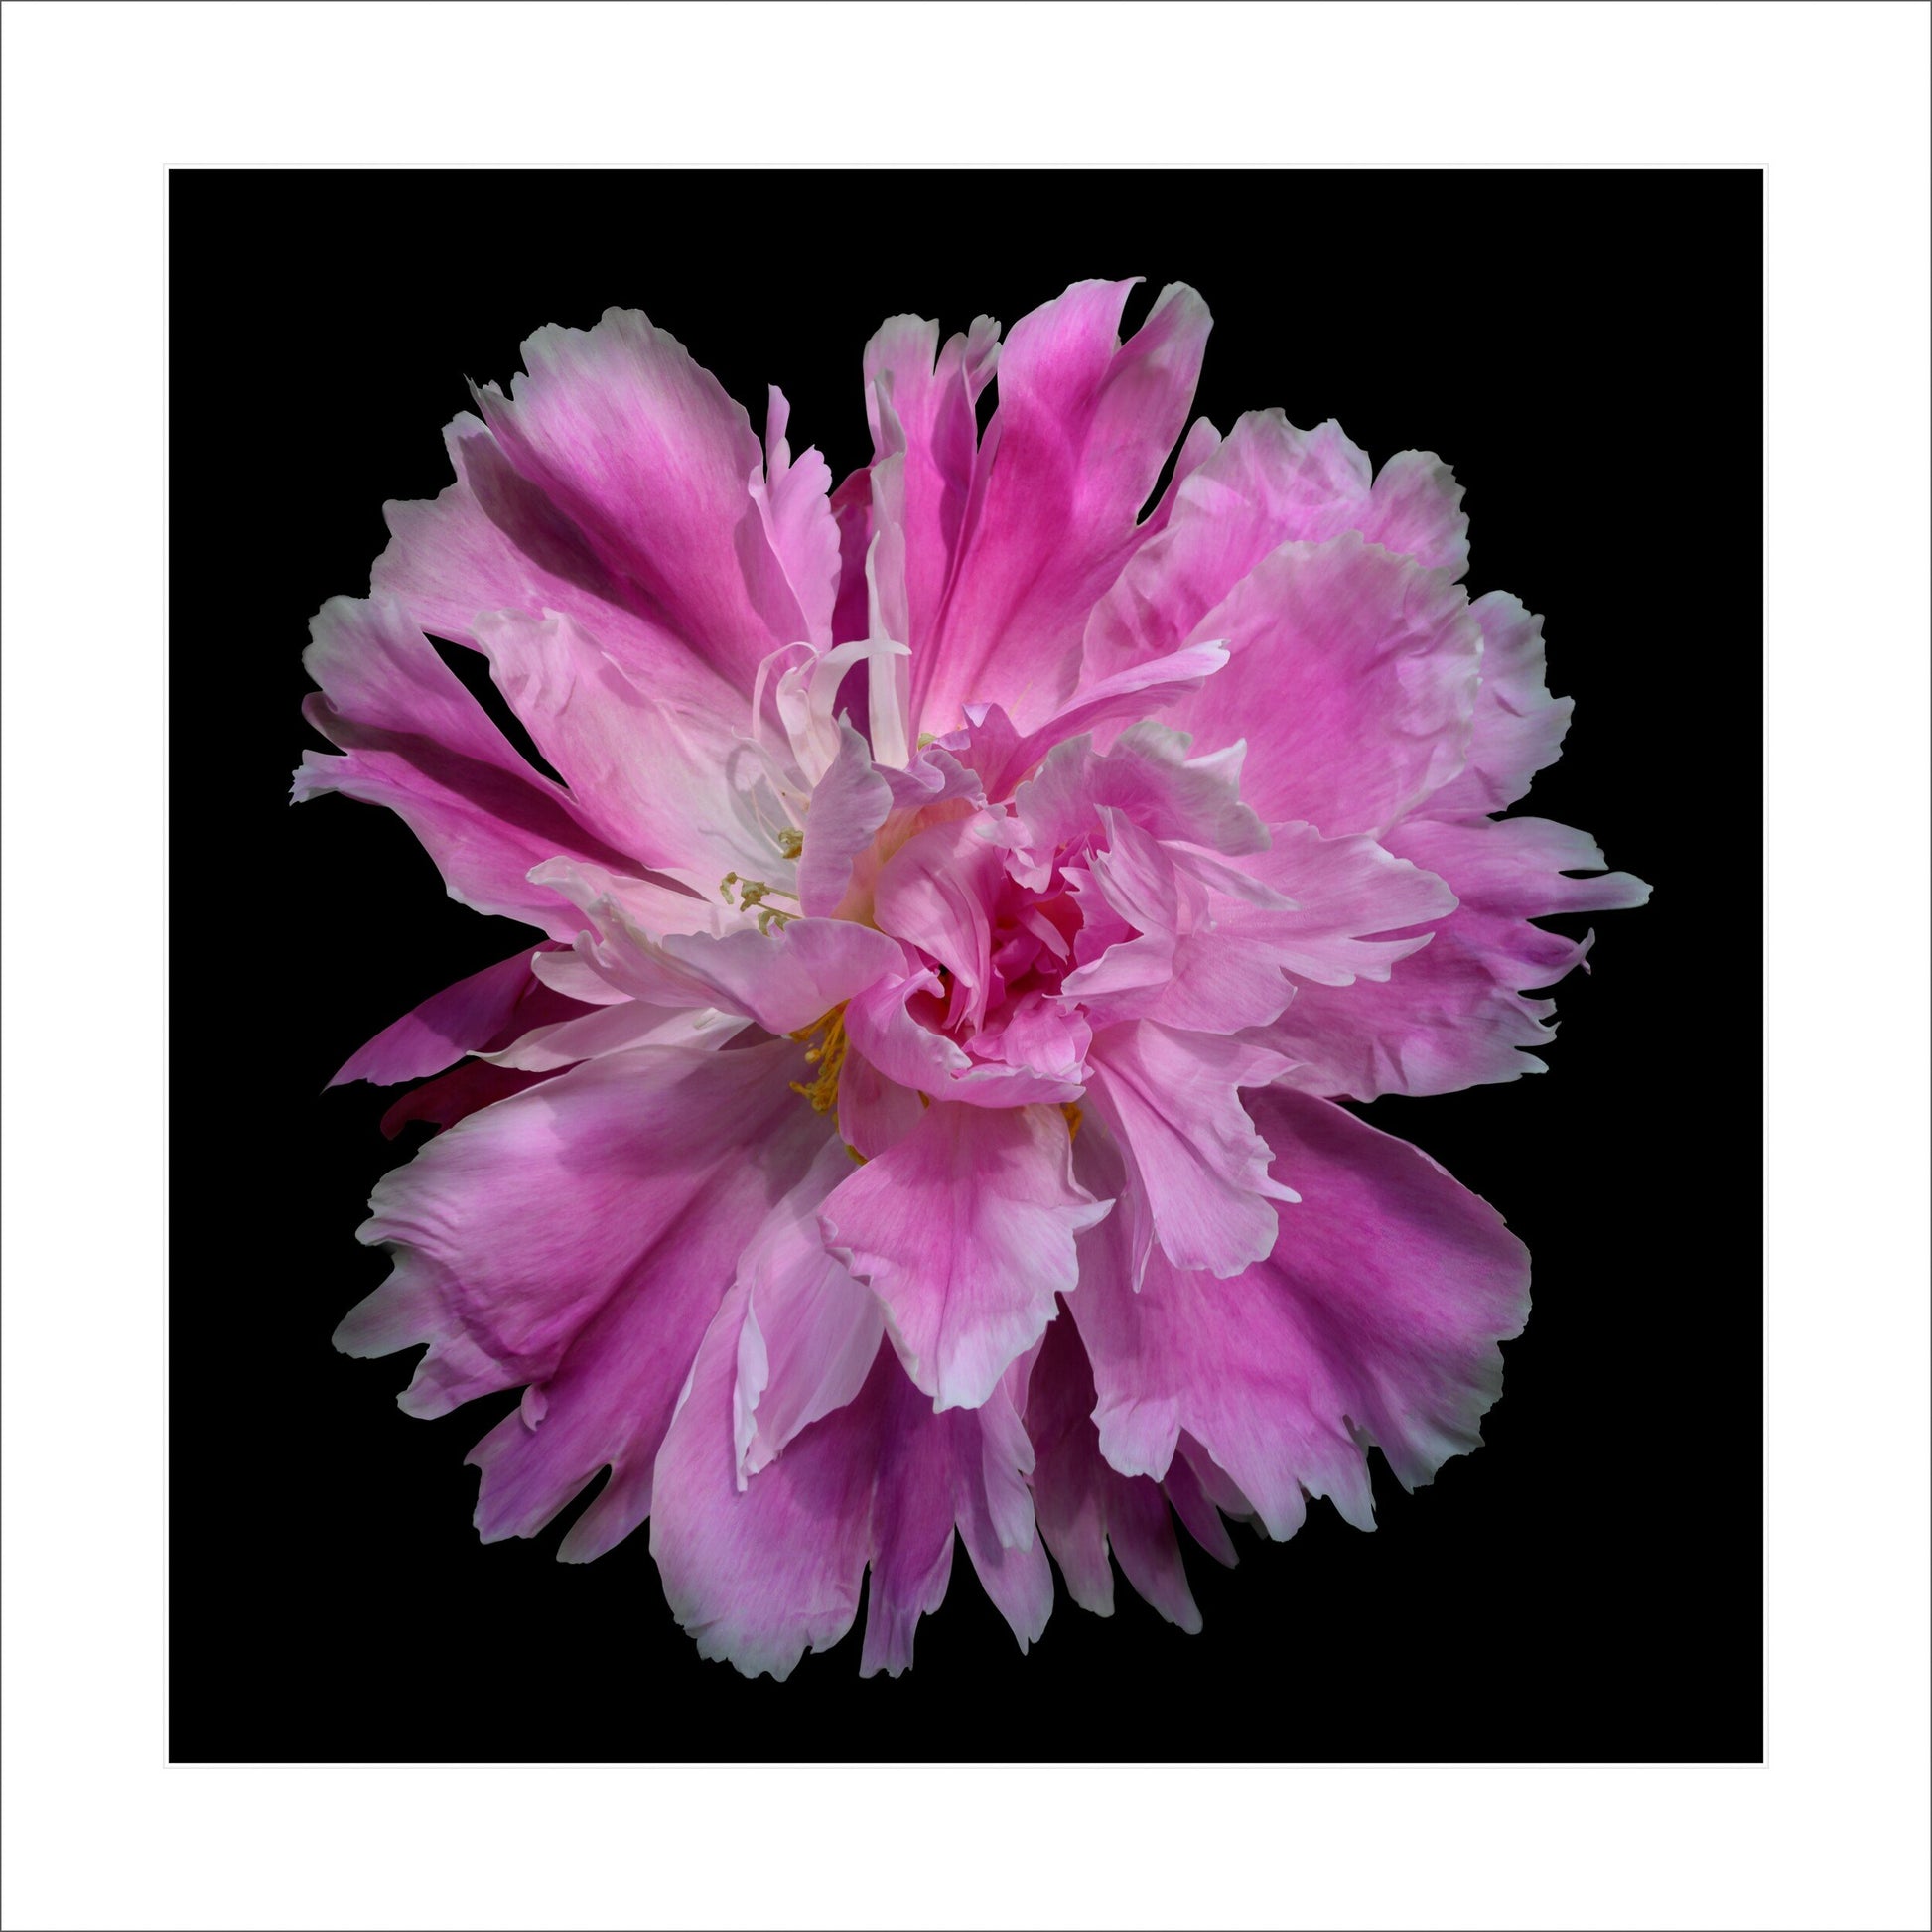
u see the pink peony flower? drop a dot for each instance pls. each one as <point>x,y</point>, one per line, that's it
<point>967,902</point>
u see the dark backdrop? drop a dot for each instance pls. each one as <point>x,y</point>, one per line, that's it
<point>1585,349</point>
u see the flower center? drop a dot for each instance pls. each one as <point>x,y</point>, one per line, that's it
<point>825,1042</point>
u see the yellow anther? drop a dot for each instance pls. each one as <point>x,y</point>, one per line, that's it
<point>1071,1109</point>
<point>791,841</point>
<point>827,1054</point>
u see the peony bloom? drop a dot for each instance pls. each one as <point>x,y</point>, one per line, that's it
<point>966,903</point>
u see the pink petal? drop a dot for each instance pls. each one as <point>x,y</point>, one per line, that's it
<point>674,787</point>
<point>760,1576</point>
<point>457,1021</point>
<point>494,541</point>
<point>784,979</point>
<point>1267,484</point>
<point>646,455</point>
<point>1455,1014</point>
<point>1365,667</point>
<point>1375,1321</point>
<point>1081,1501</point>
<point>875,1112</point>
<point>937,892</point>
<point>1340,893</point>
<point>418,743</point>
<point>1084,427</point>
<point>792,500</point>
<point>1198,1172</point>
<point>1517,728</point>
<point>921,400</point>
<point>848,804</point>
<point>516,1230</point>
<point>810,1330</point>
<point>965,1230</point>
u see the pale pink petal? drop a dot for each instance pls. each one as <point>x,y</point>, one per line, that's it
<point>417,742</point>
<point>615,1029</point>
<point>580,1234</point>
<point>803,536</point>
<point>677,787</point>
<point>759,1575</point>
<point>648,456</point>
<point>1517,728</point>
<point>1200,1185</point>
<point>784,979</point>
<point>1416,507</point>
<point>965,1230</point>
<point>1084,427</point>
<point>875,1112</point>
<point>848,804</point>
<point>1375,1321</point>
<point>1455,1014</point>
<point>1340,893</point>
<point>1364,668</point>
<point>810,1330</point>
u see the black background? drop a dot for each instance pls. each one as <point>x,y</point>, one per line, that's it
<point>1584,349</point>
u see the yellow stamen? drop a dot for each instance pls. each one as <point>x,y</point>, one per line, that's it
<point>828,1055</point>
<point>791,841</point>
<point>1071,1109</point>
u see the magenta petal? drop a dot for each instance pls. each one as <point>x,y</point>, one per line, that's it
<point>457,1021</point>
<point>417,742</point>
<point>1082,1503</point>
<point>759,1575</point>
<point>645,453</point>
<point>494,541</point>
<point>1084,427</point>
<point>1375,1321</point>
<point>521,1226</point>
<point>965,1230</point>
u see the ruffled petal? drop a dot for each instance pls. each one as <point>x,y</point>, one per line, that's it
<point>965,1230</point>
<point>417,742</point>
<point>1517,728</point>
<point>848,804</point>
<point>760,1575</point>
<point>1197,1171</point>
<point>1082,1503</point>
<point>1455,1014</point>
<point>1267,484</point>
<point>645,453</point>
<point>677,787</point>
<point>606,1200</point>
<point>810,1330</point>
<point>1364,666</point>
<point>1374,1321</point>
<point>494,541</point>
<point>1084,427</point>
